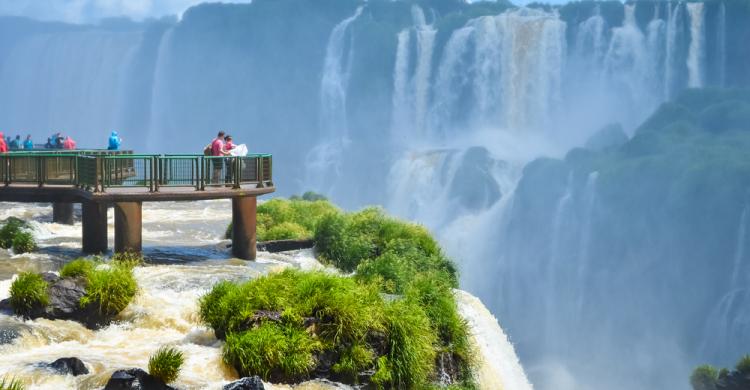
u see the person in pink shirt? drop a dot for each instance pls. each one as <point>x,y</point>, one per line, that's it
<point>3,144</point>
<point>69,143</point>
<point>218,150</point>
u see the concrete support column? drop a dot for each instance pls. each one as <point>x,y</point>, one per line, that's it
<point>243,227</point>
<point>94,218</point>
<point>62,213</point>
<point>128,221</point>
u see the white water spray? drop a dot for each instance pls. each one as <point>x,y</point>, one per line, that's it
<point>696,51</point>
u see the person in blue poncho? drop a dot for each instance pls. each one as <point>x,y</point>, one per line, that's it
<point>28,144</point>
<point>114,141</point>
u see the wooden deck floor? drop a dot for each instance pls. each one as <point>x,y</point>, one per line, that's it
<point>57,193</point>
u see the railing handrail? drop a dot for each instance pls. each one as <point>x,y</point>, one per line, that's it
<point>105,170</point>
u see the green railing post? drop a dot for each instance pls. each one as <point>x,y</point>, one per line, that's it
<point>259,171</point>
<point>40,168</point>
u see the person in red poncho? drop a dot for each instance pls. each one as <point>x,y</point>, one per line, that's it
<point>69,143</point>
<point>3,144</point>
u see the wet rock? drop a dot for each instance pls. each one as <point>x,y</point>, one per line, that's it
<point>734,381</point>
<point>285,245</point>
<point>5,306</point>
<point>448,370</point>
<point>70,365</point>
<point>473,184</point>
<point>135,379</point>
<point>11,329</point>
<point>609,137</point>
<point>247,383</point>
<point>64,295</point>
<point>49,277</point>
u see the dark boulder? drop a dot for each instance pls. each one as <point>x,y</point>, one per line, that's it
<point>64,295</point>
<point>734,381</point>
<point>473,184</point>
<point>135,379</point>
<point>70,365</point>
<point>285,245</point>
<point>609,137</point>
<point>247,383</point>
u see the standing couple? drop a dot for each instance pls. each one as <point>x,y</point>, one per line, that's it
<point>222,146</point>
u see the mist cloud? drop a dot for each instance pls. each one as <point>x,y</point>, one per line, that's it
<point>89,11</point>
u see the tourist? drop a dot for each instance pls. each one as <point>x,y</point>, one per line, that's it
<point>28,144</point>
<point>15,144</point>
<point>228,146</point>
<point>114,141</point>
<point>3,144</point>
<point>217,150</point>
<point>69,144</point>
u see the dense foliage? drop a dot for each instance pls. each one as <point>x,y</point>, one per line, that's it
<point>707,377</point>
<point>166,364</point>
<point>296,218</point>
<point>28,292</point>
<point>110,288</point>
<point>295,325</point>
<point>14,234</point>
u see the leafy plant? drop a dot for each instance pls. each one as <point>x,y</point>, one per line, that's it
<point>28,292</point>
<point>111,289</point>
<point>11,384</point>
<point>743,365</point>
<point>704,378</point>
<point>24,242</point>
<point>166,364</point>
<point>78,268</point>
<point>128,259</point>
<point>9,231</point>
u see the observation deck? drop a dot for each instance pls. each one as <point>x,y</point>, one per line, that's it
<point>99,178</point>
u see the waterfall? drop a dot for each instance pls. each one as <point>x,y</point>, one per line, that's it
<point>400,122</point>
<point>696,51</point>
<point>627,63</point>
<point>721,38</point>
<point>589,202</point>
<point>323,162</point>
<point>451,79</point>
<point>739,252</point>
<point>159,113</point>
<point>425,43</point>
<point>556,250</point>
<point>590,40</point>
<point>674,24</point>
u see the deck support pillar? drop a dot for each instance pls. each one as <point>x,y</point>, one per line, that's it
<point>62,213</point>
<point>94,226</point>
<point>128,232</point>
<point>243,227</point>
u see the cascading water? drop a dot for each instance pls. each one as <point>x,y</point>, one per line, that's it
<point>324,160</point>
<point>696,52</point>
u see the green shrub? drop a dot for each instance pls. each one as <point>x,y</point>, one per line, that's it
<point>273,352</point>
<point>9,231</point>
<point>743,365</point>
<point>353,360</point>
<point>412,355</point>
<point>78,268</point>
<point>11,384</point>
<point>24,242</point>
<point>285,231</point>
<point>704,378</point>
<point>165,364</point>
<point>28,292</point>
<point>111,289</point>
<point>128,259</point>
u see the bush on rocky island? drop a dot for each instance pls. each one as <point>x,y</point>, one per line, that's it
<point>86,291</point>
<point>707,377</point>
<point>14,234</point>
<point>166,364</point>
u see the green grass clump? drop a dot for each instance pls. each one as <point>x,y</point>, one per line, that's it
<point>165,364</point>
<point>743,365</point>
<point>24,242</point>
<point>277,353</point>
<point>11,384</point>
<point>282,219</point>
<point>412,356</point>
<point>320,313</point>
<point>9,231</point>
<point>128,259</point>
<point>28,292</point>
<point>111,289</point>
<point>704,378</point>
<point>78,268</point>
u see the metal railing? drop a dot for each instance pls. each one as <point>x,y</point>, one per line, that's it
<point>97,170</point>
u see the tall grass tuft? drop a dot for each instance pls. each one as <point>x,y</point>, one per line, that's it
<point>24,242</point>
<point>111,289</point>
<point>28,292</point>
<point>80,267</point>
<point>128,259</point>
<point>166,364</point>
<point>11,384</point>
